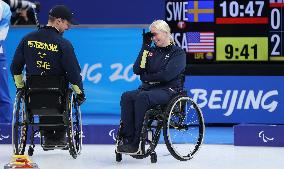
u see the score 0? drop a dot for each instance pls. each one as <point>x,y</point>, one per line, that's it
<point>275,32</point>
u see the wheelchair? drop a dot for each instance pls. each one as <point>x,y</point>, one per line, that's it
<point>183,130</point>
<point>46,96</point>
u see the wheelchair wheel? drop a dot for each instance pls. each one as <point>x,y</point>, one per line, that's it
<point>152,135</point>
<point>19,125</point>
<point>74,129</point>
<point>183,128</point>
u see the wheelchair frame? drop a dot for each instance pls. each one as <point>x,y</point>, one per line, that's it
<point>23,119</point>
<point>159,118</point>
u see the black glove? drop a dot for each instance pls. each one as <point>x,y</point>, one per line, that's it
<point>147,38</point>
<point>37,3</point>
<point>80,98</point>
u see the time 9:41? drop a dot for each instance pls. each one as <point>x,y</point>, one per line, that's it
<point>243,53</point>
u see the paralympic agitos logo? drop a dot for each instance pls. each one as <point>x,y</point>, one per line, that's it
<point>230,100</point>
<point>3,136</point>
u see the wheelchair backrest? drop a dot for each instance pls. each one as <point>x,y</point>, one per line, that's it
<point>45,95</point>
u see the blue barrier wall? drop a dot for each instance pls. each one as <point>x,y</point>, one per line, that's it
<point>106,56</point>
<point>109,12</point>
<point>239,99</point>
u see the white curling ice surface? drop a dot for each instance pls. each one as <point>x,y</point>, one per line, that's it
<point>209,157</point>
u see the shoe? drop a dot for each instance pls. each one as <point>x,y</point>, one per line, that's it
<point>127,148</point>
<point>61,139</point>
<point>60,136</point>
<point>120,148</point>
<point>53,141</point>
<point>50,141</point>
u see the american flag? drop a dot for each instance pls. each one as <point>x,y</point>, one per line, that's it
<point>200,42</point>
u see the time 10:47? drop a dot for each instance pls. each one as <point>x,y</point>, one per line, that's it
<point>240,10</point>
<point>244,52</point>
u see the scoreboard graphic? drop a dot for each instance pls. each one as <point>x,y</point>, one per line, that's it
<point>228,30</point>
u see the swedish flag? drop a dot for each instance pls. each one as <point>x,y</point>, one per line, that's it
<point>200,11</point>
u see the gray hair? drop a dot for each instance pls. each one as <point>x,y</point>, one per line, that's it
<point>162,26</point>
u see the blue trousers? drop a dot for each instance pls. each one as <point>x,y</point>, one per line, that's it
<point>134,105</point>
<point>6,105</point>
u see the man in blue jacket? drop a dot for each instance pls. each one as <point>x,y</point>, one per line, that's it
<point>6,105</point>
<point>46,52</point>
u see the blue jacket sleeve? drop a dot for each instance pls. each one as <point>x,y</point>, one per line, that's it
<point>174,67</point>
<point>71,66</point>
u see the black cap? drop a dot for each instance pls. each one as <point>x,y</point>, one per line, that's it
<point>61,11</point>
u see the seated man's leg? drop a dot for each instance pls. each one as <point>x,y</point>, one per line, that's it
<point>53,135</point>
<point>60,135</point>
<point>49,135</point>
<point>145,100</point>
<point>127,114</point>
